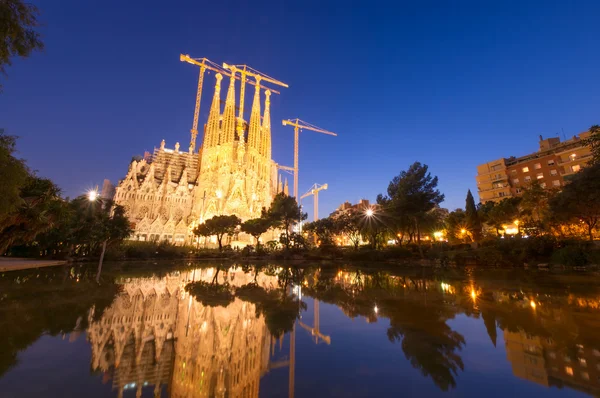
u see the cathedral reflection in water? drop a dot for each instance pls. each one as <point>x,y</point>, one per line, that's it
<point>156,333</point>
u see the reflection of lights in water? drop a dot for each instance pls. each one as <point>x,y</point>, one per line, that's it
<point>532,303</point>
<point>473,294</point>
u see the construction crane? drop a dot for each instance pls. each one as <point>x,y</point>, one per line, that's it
<point>315,331</point>
<point>314,190</point>
<point>205,64</point>
<point>245,71</point>
<point>298,126</point>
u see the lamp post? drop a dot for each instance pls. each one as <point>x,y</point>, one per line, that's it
<point>92,197</point>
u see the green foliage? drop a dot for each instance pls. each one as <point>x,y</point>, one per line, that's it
<point>455,222</point>
<point>283,213</point>
<point>504,212</point>
<point>39,209</point>
<point>256,227</point>
<point>211,294</point>
<point>411,195</point>
<point>13,175</point>
<point>571,256</point>
<point>324,229</point>
<point>218,226</point>
<point>594,142</point>
<point>472,218</point>
<point>17,34</point>
<point>349,224</point>
<point>580,200</point>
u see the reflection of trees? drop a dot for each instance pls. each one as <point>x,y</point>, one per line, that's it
<point>427,341</point>
<point>211,294</point>
<point>417,317</point>
<point>50,301</point>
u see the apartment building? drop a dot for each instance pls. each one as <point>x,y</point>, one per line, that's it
<point>552,165</point>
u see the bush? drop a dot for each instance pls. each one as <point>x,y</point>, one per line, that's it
<point>571,256</point>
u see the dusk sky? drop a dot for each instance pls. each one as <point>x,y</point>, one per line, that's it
<point>451,84</point>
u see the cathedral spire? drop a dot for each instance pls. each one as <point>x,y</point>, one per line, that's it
<point>229,113</point>
<point>286,189</point>
<point>211,137</point>
<point>265,145</point>
<point>254,129</point>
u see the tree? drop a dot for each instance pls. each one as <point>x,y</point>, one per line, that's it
<point>455,223</point>
<point>412,194</point>
<point>324,229</point>
<point>13,174</point>
<point>502,213</point>
<point>17,34</point>
<point>283,213</point>
<point>472,218</point>
<point>534,206</point>
<point>39,208</point>
<point>579,201</point>
<point>349,224</point>
<point>218,226</point>
<point>256,227</point>
<point>594,142</point>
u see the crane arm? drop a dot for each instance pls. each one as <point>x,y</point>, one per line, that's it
<point>248,71</point>
<point>306,126</point>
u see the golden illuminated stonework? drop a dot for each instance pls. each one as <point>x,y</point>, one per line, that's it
<point>168,193</point>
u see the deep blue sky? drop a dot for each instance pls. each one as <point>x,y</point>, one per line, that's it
<point>449,83</point>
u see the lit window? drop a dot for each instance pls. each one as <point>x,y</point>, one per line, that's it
<point>582,362</point>
<point>543,185</point>
<point>516,181</point>
<point>553,172</point>
<point>551,354</point>
<point>572,156</point>
<point>539,176</point>
<point>569,370</point>
<point>525,169</point>
<point>556,183</point>
<point>537,166</point>
<point>551,162</point>
<point>527,178</point>
<point>513,171</point>
<point>575,168</point>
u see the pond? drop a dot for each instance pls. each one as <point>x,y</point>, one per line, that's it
<point>273,330</point>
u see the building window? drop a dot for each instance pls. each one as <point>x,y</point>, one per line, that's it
<point>527,178</point>
<point>539,176</point>
<point>519,190</point>
<point>582,362</point>
<point>552,355</point>
<point>572,157</point>
<point>525,169</point>
<point>513,171</point>
<point>553,172</point>
<point>516,181</point>
<point>575,168</point>
<point>585,375</point>
<point>543,185</point>
<point>556,183</point>
<point>551,162</point>
<point>537,166</point>
<point>501,194</point>
<point>569,370</point>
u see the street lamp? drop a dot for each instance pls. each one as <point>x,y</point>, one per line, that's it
<point>369,212</point>
<point>92,195</point>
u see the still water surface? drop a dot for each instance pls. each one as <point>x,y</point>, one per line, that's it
<point>199,330</point>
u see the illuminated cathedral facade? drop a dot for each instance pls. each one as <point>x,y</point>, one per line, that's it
<point>168,193</point>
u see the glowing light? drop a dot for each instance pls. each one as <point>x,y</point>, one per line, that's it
<point>438,235</point>
<point>463,231</point>
<point>533,305</point>
<point>516,222</point>
<point>369,212</point>
<point>473,294</point>
<point>219,194</point>
<point>92,195</point>
<point>376,309</point>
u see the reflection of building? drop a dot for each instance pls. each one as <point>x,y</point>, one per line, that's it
<point>155,333</point>
<point>550,166</point>
<point>542,361</point>
<point>233,173</point>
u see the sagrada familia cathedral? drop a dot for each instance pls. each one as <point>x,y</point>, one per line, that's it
<point>168,193</point>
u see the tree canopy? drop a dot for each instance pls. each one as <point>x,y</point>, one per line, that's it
<point>218,226</point>
<point>18,36</point>
<point>283,213</point>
